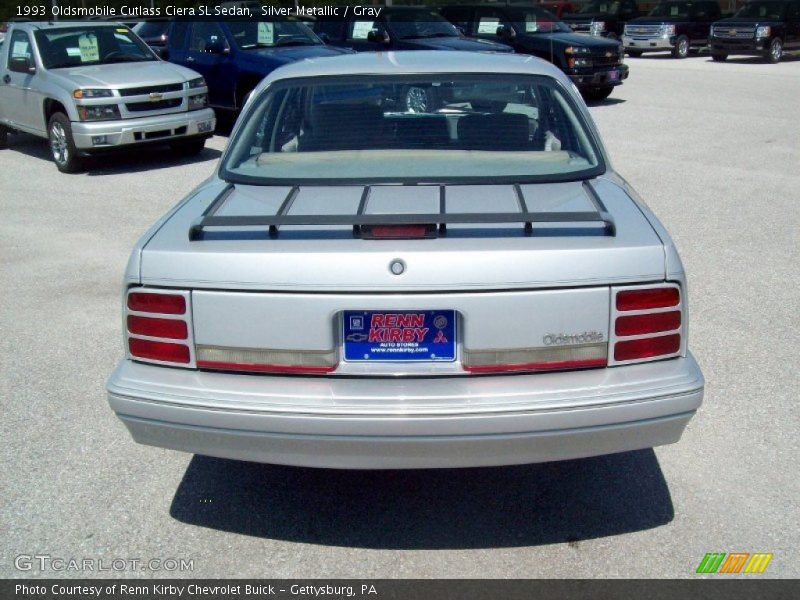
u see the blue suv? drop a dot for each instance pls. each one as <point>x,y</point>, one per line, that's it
<point>234,56</point>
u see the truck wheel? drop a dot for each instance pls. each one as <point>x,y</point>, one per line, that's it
<point>775,52</point>
<point>681,49</point>
<point>719,56</point>
<point>597,94</point>
<point>634,53</point>
<point>62,146</point>
<point>3,137</point>
<point>189,147</point>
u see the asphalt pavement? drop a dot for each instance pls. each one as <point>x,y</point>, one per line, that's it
<point>713,148</point>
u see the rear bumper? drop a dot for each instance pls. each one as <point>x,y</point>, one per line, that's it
<point>379,423</point>
<point>650,43</point>
<point>600,78</point>
<point>130,132</point>
<point>746,47</point>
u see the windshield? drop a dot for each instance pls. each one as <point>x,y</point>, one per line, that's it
<point>601,6</point>
<point>269,34</point>
<point>536,20</point>
<point>412,129</point>
<point>672,9</point>
<point>90,45</point>
<point>409,24</point>
<point>763,10</point>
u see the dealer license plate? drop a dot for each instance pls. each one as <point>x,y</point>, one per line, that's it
<point>410,335</point>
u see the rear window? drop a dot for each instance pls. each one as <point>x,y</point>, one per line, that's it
<point>412,129</point>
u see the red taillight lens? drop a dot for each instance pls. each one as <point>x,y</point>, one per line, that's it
<point>648,323</point>
<point>163,328</point>
<point>647,347</point>
<point>163,351</point>
<point>398,232</point>
<point>648,299</point>
<point>166,304</point>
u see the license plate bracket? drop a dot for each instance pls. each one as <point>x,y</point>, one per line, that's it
<point>399,336</point>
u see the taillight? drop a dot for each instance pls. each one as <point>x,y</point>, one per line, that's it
<point>645,299</point>
<point>647,323</point>
<point>166,304</point>
<point>266,360</point>
<point>158,327</point>
<point>562,358</point>
<point>160,351</point>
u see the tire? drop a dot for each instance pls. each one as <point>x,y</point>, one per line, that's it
<point>3,137</point>
<point>189,147</point>
<point>681,48</point>
<point>62,145</point>
<point>775,52</point>
<point>634,53</point>
<point>418,99</point>
<point>719,57</point>
<point>597,94</point>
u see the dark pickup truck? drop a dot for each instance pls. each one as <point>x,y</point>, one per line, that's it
<point>605,18</point>
<point>400,28</point>
<point>765,28</point>
<point>676,25</point>
<point>594,64</point>
<point>234,56</point>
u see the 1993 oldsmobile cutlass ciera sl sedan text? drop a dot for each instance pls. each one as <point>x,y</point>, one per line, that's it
<point>362,286</point>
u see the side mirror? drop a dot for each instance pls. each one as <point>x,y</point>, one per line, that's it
<point>216,46</point>
<point>21,65</point>
<point>461,30</point>
<point>324,37</point>
<point>378,37</point>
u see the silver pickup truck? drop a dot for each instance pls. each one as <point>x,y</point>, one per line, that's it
<point>363,286</point>
<point>91,87</point>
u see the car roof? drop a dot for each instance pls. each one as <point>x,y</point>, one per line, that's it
<point>66,24</point>
<point>411,62</point>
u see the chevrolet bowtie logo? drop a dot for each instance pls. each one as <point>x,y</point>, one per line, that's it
<point>155,97</point>
<point>733,32</point>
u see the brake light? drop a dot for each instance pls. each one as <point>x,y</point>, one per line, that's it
<point>166,304</point>
<point>647,323</point>
<point>647,298</point>
<point>160,351</point>
<point>158,327</point>
<point>163,328</point>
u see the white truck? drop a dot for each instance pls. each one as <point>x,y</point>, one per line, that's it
<point>92,87</point>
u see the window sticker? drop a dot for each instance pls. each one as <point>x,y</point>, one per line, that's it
<point>489,25</point>
<point>531,25</point>
<point>73,51</point>
<point>121,30</point>
<point>361,29</point>
<point>90,51</point>
<point>673,10</point>
<point>266,33</point>
<point>20,50</point>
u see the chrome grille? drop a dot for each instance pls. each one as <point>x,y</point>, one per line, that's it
<point>733,32</point>
<point>643,30</point>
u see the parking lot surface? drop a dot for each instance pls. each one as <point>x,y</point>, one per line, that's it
<point>713,148</point>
